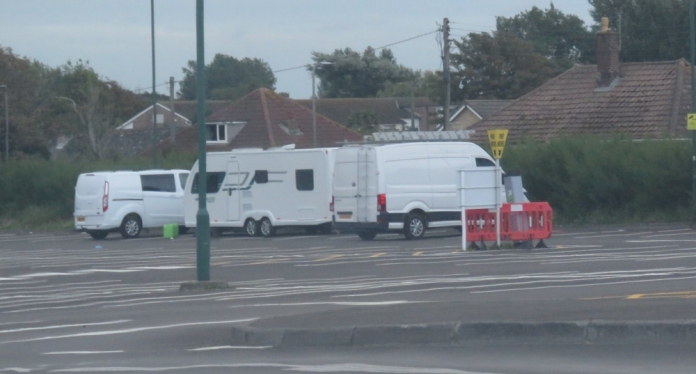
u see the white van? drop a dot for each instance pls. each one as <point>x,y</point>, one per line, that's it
<point>257,190</point>
<point>128,201</point>
<point>406,186</point>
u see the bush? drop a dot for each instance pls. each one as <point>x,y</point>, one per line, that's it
<point>41,193</point>
<point>606,180</point>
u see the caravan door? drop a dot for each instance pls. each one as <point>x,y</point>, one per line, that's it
<point>234,191</point>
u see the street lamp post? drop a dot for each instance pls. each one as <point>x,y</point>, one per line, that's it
<point>314,99</point>
<point>7,126</point>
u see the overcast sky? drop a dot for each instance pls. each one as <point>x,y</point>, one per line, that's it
<point>114,35</point>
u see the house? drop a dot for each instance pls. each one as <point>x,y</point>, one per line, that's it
<point>134,136</point>
<point>264,119</point>
<point>641,100</point>
<point>473,111</point>
<point>391,114</point>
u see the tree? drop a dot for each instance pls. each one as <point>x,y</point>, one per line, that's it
<point>524,52</point>
<point>99,106</point>
<point>350,74</point>
<point>228,78</point>
<point>498,66</point>
<point>363,121</point>
<point>650,30</point>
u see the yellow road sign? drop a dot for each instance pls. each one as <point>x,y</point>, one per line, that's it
<point>497,139</point>
<point>691,121</point>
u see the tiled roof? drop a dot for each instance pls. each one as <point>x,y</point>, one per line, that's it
<point>650,100</point>
<point>386,109</point>
<point>486,108</point>
<point>189,108</point>
<point>267,116</point>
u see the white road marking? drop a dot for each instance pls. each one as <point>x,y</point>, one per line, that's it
<point>329,368</point>
<point>345,303</point>
<point>127,331</point>
<point>81,352</point>
<point>64,326</point>
<point>228,347</point>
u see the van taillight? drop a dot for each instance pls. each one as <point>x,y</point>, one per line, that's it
<point>382,202</point>
<point>105,198</point>
<point>331,204</point>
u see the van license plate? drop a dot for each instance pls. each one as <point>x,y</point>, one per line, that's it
<point>345,215</point>
<point>80,219</point>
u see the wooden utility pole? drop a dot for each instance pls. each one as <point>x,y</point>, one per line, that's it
<point>172,110</point>
<point>446,70</point>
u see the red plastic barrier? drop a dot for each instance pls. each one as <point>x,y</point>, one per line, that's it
<point>519,222</point>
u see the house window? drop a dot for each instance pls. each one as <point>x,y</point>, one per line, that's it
<point>304,179</point>
<point>217,132</point>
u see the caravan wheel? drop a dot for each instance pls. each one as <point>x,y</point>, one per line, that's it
<point>267,229</point>
<point>251,227</point>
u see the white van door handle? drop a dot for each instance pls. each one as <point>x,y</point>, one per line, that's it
<point>229,192</point>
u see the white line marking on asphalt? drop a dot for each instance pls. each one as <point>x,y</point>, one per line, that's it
<point>660,241</point>
<point>64,326</point>
<point>20,323</point>
<point>585,233</point>
<point>17,370</point>
<point>81,352</point>
<point>675,234</point>
<point>127,331</point>
<point>610,235</point>
<point>345,303</point>
<point>228,347</point>
<point>330,368</point>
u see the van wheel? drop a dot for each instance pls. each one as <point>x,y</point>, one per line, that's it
<point>266,228</point>
<point>414,227</point>
<point>131,226</point>
<point>251,227</point>
<point>367,235</point>
<point>98,234</point>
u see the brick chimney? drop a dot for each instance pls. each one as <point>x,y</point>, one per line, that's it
<point>608,47</point>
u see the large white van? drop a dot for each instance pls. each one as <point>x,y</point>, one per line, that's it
<point>407,186</point>
<point>128,201</point>
<point>257,190</point>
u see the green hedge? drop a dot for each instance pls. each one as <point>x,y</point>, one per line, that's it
<point>600,180</point>
<point>37,193</point>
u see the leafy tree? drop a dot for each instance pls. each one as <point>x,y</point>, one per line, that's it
<point>498,66</point>
<point>559,37</point>
<point>350,74</point>
<point>650,30</point>
<point>98,105</point>
<point>228,78</point>
<point>363,121</point>
<point>524,52</point>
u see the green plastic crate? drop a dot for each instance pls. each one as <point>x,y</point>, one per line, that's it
<point>171,230</point>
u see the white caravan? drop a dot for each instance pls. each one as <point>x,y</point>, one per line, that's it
<point>260,190</point>
<point>406,186</point>
<point>128,201</point>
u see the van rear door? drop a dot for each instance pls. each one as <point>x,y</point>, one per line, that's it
<point>89,199</point>
<point>355,185</point>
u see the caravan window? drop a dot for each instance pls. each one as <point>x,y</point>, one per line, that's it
<point>213,182</point>
<point>304,179</point>
<point>484,162</point>
<point>158,182</point>
<point>261,176</point>
<point>182,178</point>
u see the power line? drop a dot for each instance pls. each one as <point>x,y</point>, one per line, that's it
<point>376,49</point>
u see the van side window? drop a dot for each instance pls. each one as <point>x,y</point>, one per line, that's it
<point>484,162</point>
<point>213,182</point>
<point>261,176</point>
<point>304,179</point>
<point>158,182</point>
<point>182,179</point>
